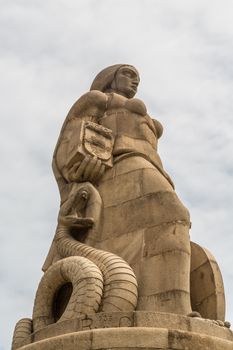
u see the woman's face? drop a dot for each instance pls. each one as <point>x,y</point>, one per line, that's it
<point>126,82</point>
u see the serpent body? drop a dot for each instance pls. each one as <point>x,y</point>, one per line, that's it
<point>118,291</point>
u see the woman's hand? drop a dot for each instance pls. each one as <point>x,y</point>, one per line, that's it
<point>89,169</point>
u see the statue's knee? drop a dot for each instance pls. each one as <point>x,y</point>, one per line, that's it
<point>166,238</point>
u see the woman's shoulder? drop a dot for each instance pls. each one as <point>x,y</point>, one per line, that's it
<point>92,102</point>
<point>89,106</point>
<point>90,99</point>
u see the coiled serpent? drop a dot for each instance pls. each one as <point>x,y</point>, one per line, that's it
<point>101,281</point>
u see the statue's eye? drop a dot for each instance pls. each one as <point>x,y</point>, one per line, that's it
<point>84,195</point>
<point>128,73</point>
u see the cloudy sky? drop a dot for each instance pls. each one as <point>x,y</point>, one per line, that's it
<point>50,52</point>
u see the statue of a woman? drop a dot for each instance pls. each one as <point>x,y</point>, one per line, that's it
<point>142,219</point>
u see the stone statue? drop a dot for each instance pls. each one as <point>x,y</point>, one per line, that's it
<point>122,241</point>
<point>139,204</point>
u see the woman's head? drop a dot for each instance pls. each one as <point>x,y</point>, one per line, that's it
<point>120,78</point>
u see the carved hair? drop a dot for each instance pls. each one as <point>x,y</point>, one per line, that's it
<point>103,80</point>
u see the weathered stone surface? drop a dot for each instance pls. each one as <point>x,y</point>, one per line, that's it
<point>207,291</point>
<point>122,241</point>
<point>137,195</point>
<point>158,320</point>
<point>133,338</point>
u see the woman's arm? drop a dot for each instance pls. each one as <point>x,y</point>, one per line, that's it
<point>89,107</point>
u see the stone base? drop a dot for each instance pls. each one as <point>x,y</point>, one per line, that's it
<point>134,330</point>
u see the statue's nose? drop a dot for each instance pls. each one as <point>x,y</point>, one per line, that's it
<point>135,83</point>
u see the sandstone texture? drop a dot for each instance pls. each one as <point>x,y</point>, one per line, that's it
<point>134,330</point>
<point>121,271</point>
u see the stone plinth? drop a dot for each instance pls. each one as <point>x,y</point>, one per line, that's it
<point>134,330</point>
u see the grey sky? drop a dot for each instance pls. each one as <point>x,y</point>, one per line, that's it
<point>50,51</point>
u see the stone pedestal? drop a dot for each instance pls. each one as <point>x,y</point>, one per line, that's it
<point>131,330</point>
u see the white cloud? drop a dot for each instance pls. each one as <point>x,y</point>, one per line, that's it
<point>50,53</point>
